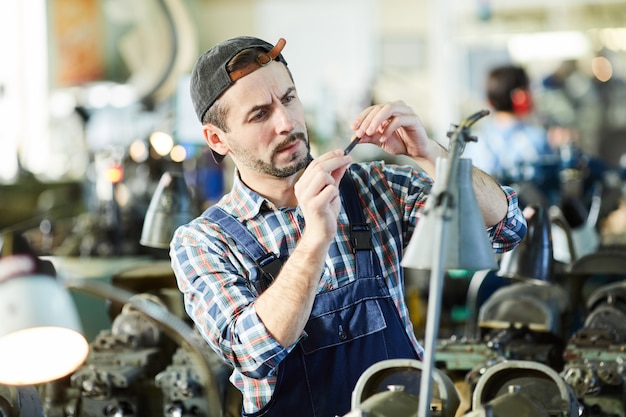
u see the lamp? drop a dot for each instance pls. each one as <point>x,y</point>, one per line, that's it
<point>435,246</point>
<point>466,243</point>
<point>40,331</point>
<point>171,206</point>
<point>532,259</point>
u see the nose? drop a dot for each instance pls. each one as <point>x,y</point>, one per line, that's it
<point>283,120</point>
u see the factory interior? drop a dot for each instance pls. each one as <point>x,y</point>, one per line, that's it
<point>103,157</point>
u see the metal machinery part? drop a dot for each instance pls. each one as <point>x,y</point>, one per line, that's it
<point>607,311</point>
<point>22,401</point>
<point>391,388</point>
<point>524,321</point>
<point>466,361</point>
<point>117,378</point>
<point>510,404</point>
<point>596,354</point>
<point>538,306</point>
<point>520,321</point>
<point>463,355</point>
<point>523,389</point>
<point>183,388</point>
<point>133,370</point>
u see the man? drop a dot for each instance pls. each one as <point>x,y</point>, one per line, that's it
<point>299,340</point>
<point>511,146</point>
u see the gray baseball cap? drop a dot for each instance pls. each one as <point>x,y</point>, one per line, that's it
<point>210,77</point>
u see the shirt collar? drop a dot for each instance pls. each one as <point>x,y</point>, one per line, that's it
<point>247,203</point>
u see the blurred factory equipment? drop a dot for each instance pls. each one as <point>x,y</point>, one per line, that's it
<point>154,71</point>
<point>528,317</point>
<point>391,388</point>
<point>590,272</point>
<point>170,206</point>
<point>607,312</point>
<point>605,262</point>
<point>463,245</point>
<point>149,363</point>
<point>20,401</point>
<point>530,268</point>
<point>154,278</point>
<point>525,321</point>
<point>533,258</point>
<point>132,369</point>
<point>516,313</point>
<point>523,389</point>
<point>595,363</point>
<point>531,316</point>
<point>522,321</point>
<point>96,124</point>
<point>568,242</point>
<point>122,364</point>
<point>575,228</point>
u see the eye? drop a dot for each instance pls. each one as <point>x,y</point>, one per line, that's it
<point>289,98</point>
<point>260,115</point>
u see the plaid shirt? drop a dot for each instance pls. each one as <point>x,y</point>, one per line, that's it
<point>212,273</point>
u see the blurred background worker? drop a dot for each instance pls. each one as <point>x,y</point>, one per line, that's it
<point>512,139</point>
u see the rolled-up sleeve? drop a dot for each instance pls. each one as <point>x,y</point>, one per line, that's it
<point>511,230</point>
<point>219,300</point>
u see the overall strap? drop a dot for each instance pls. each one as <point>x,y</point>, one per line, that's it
<point>360,232</point>
<point>268,262</point>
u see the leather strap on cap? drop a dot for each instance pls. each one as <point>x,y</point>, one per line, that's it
<point>262,60</point>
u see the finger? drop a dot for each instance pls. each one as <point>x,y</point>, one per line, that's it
<point>328,194</point>
<point>391,125</point>
<point>329,163</point>
<point>310,186</point>
<point>328,155</point>
<point>371,120</point>
<point>338,173</point>
<point>401,124</point>
<point>358,120</point>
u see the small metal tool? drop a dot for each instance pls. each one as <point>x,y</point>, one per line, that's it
<point>351,146</point>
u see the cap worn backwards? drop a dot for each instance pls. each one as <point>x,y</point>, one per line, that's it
<point>210,76</point>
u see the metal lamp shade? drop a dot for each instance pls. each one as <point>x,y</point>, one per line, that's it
<point>532,259</point>
<point>170,206</point>
<point>466,244</point>
<point>40,331</point>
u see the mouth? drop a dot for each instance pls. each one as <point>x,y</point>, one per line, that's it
<point>289,148</point>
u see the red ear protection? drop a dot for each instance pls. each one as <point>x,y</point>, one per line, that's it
<point>521,100</point>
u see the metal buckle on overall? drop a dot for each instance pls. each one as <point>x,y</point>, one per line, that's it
<point>360,237</point>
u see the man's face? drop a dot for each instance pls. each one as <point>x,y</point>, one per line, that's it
<point>266,128</point>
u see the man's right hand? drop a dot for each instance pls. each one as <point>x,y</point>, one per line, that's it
<point>286,305</point>
<point>317,192</point>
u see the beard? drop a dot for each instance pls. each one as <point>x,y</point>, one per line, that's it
<point>299,161</point>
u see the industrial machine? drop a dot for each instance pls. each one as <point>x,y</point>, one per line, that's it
<point>595,355</point>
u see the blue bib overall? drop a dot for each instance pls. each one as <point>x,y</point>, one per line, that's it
<point>350,328</point>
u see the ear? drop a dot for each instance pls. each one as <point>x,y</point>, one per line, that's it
<point>214,138</point>
<point>522,101</point>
